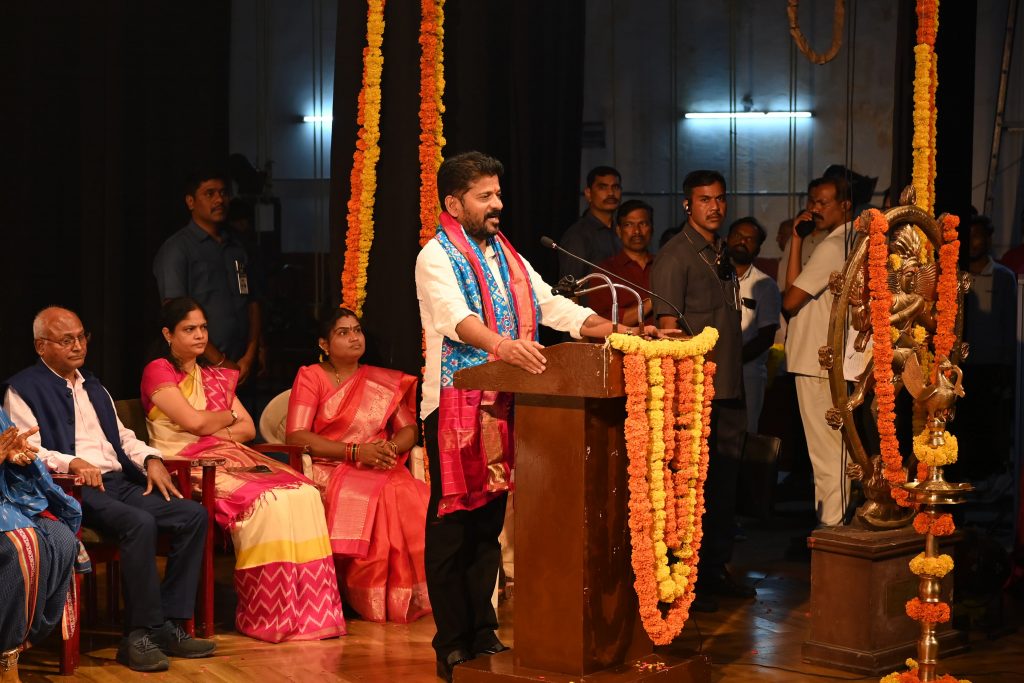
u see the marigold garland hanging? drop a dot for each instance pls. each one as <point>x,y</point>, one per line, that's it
<point>669,388</point>
<point>936,525</point>
<point>948,288</point>
<point>430,114</point>
<point>925,114</point>
<point>885,392</point>
<point>363,179</point>
<point>930,523</point>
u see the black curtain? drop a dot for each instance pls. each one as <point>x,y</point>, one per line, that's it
<point>513,76</point>
<point>106,106</point>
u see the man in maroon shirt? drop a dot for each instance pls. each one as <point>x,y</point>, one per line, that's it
<point>634,225</point>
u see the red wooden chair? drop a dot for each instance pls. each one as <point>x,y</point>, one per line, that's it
<point>103,551</point>
<point>132,416</point>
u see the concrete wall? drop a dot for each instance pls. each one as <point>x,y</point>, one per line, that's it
<point>648,63</point>
<point>1006,184</point>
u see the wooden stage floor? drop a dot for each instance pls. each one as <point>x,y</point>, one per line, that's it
<point>746,641</point>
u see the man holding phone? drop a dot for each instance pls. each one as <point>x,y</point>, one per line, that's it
<point>807,303</point>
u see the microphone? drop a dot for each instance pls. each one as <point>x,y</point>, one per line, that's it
<point>551,244</point>
<point>567,287</point>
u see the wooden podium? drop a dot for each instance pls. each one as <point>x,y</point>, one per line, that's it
<point>576,614</point>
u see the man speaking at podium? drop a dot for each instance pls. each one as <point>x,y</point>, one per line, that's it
<point>479,301</point>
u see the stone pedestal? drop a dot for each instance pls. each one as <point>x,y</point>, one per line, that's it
<point>860,583</point>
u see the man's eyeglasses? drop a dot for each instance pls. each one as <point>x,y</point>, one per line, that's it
<point>67,341</point>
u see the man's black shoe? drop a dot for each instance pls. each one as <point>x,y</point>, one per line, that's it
<point>176,642</point>
<point>454,658</point>
<point>139,653</point>
<point>492,648</point>
<point>723,584</point>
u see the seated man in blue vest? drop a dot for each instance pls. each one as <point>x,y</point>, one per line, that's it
<point>128,494</point>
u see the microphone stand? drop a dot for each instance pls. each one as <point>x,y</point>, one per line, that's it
<point>551,244</point>
<point>612,287</point>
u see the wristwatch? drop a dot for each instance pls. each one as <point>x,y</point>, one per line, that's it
<point>145,462</point>
<point>234,417</point>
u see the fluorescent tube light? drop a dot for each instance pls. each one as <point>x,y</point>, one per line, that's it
<point>748,115</point>
<point>326,118</point>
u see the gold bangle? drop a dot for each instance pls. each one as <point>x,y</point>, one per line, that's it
<point>228,430</point>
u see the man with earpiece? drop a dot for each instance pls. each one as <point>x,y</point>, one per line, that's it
<point>694,273</point>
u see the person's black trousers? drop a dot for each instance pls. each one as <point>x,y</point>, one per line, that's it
<point>725,445</point>
<point>462,557</point>
<point>134,520</point>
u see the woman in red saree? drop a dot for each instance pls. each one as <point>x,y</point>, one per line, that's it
<point>284,574</point>
<point>360,423</point>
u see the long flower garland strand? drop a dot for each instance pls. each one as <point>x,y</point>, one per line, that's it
<point>885,392</point>
<point>431,128</point>
<point>662,471</point>
<point>668,371</point>
<point>948,289</point>
<point>925,113</point>
<point>431,110</point>
<point>363,179</point>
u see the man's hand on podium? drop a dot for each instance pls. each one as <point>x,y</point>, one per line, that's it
<point>522,353</point>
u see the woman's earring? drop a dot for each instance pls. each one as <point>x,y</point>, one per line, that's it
<point>323,352</point>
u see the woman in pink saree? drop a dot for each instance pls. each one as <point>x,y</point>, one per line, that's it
<point>284,574</point>
<point>360,423</point>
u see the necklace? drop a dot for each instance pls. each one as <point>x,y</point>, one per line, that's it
<point>337,375</point>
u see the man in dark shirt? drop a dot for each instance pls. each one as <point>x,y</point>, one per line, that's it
<point>984,416</point>
<point>205,261</point>
<point>634,227</point>
<point>693,272</point>
<point>592,236</point>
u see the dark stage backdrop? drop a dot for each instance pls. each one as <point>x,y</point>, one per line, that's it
<point>106,105</point>
<point>513,76</point>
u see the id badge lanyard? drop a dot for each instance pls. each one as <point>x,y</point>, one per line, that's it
<point>243,278</point>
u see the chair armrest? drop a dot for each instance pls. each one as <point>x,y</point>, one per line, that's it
<point>293,451</point>
<point>71,483</point>
<point>182,468</point>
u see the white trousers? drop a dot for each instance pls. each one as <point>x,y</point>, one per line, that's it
<point>825,446</point>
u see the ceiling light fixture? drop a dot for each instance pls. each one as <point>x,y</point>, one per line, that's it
<point>758,115</point>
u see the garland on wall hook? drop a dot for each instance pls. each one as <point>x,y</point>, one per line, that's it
<point>793,10</point>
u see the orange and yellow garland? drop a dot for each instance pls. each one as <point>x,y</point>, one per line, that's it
<point>925,114</point>
<point>929,522</point>
<point>431,110</point>
<point>669,388</point>
<point>912,677</point>
<point>363,178</point>
<point>885,392</point>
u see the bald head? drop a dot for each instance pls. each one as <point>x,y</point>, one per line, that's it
<point>46,317</point>
<point>60,340</point>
